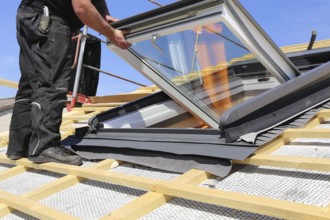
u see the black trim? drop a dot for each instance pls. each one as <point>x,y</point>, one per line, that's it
<point>181,22</point>
<point>312,40</point>
<point>153,17</point>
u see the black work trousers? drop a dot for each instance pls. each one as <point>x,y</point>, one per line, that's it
<point>45,62</point>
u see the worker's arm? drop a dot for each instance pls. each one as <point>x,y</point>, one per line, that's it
<point>88,14</point>
<point>102,7</point>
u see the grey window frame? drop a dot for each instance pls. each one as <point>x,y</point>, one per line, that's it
<point>198,13</point>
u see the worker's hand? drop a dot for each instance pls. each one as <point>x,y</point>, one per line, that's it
<point>118,39</point>
<point>110,19</point>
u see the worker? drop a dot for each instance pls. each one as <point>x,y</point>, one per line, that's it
<point>44,37</point>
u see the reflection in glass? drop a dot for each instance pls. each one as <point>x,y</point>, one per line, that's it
<point>206,64</point>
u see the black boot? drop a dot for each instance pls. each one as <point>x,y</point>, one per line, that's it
<point>57,154</point>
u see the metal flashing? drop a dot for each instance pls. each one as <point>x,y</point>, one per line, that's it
<point>297,122</point>
<point>157,160</point>
<point>177,150</point>
<point>200,142</point>
<point>168,149</point>
<point>277,113</point>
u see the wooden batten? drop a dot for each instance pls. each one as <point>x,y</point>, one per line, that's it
<point>8,83</point>
<point>127,97</point>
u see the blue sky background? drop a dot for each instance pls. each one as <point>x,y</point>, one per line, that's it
<point>286,21</point>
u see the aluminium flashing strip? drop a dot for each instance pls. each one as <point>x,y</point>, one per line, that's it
<point>201,142</point>
<point>168,149</point>
<point>159,160</point>
<point>288,113</point>
<point>297,122</point>
<point>278,104</point>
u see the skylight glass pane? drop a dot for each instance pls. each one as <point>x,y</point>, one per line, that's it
<point>209,65</point>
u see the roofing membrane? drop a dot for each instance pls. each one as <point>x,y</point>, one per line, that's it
<point>301,186</point>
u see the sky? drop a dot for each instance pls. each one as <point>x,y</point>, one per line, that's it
<point>287,22</point>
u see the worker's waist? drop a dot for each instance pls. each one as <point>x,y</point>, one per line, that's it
<point>37,7</point>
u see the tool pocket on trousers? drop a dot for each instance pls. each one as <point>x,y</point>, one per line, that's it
<point>44,24</point>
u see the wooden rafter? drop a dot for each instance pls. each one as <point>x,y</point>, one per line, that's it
<point>53,187</point>
<point>185,189</point>
<point>318,164</point>
<point>152,200</point>
<point>32,208</point>
<point>4,137</point>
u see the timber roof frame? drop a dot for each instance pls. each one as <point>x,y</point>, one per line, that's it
<point>184,186</point>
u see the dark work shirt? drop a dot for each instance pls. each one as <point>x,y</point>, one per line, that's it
<point>64,9</point>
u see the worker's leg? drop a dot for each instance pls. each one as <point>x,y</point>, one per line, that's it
<point>53,61</point>
<point>20,126</point>
<point>51,57</point>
